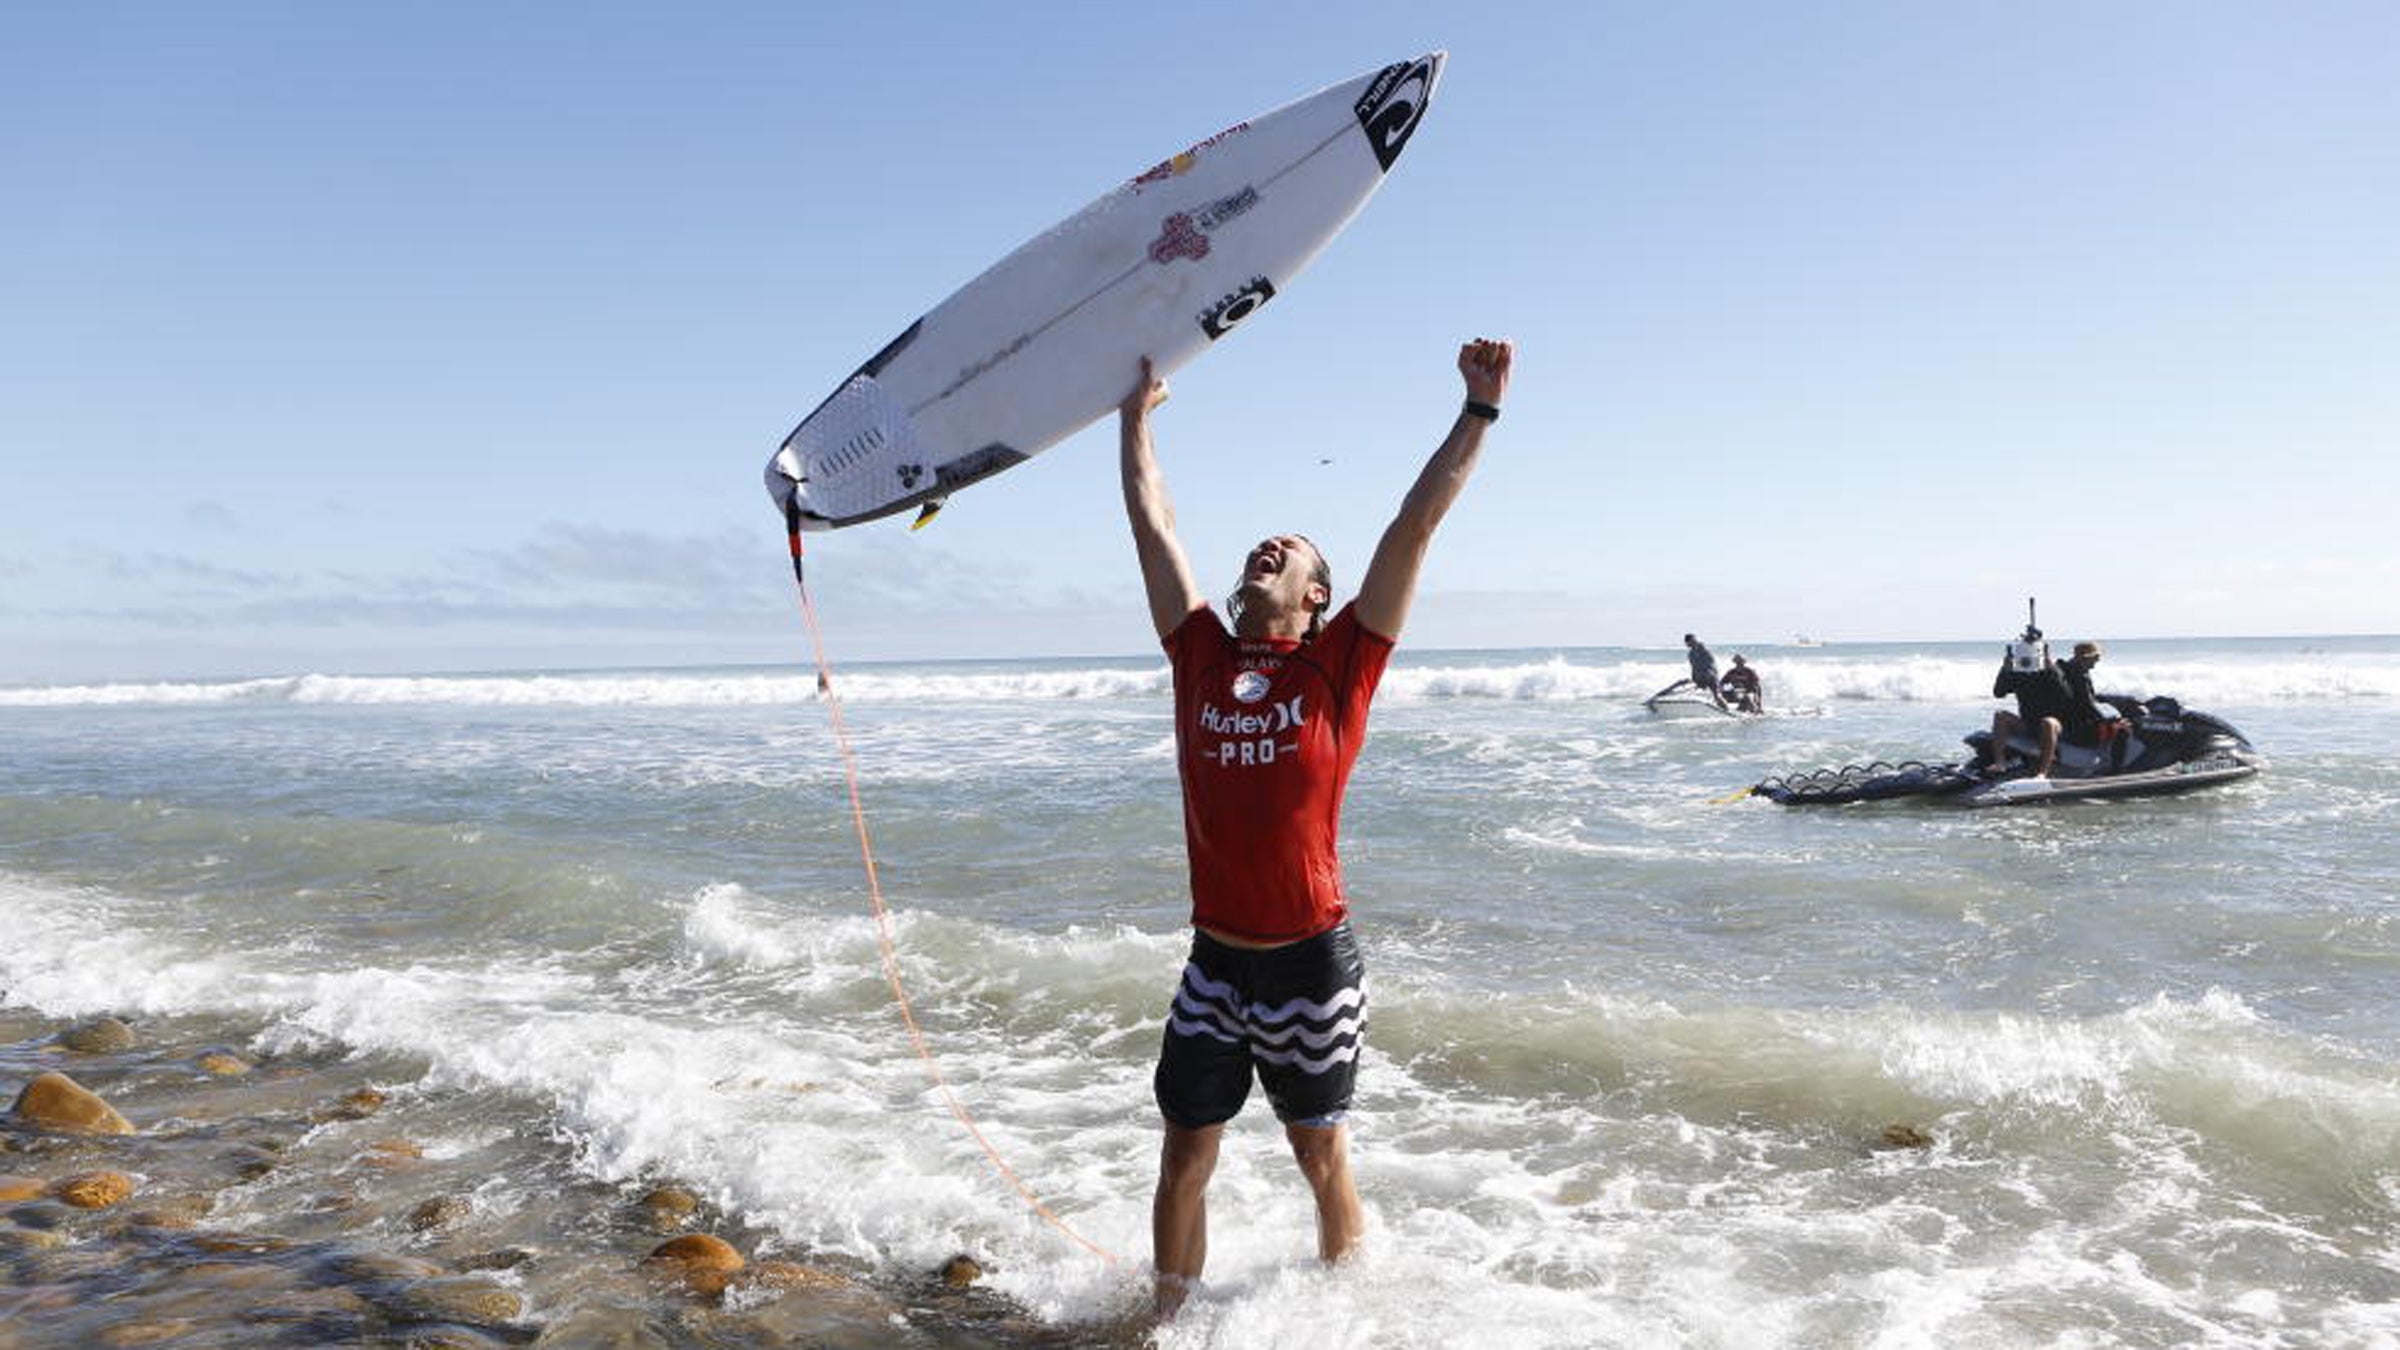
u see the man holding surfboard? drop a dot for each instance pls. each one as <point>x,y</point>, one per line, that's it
<point>1270,715</point>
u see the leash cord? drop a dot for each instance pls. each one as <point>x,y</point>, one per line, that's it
<point>883,918</point>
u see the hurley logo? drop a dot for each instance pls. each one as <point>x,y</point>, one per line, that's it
<point>1282,716</point>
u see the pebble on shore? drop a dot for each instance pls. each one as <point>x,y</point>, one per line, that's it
<point>100,1036</point>
<point>703,1263</point>
<point>1903,1136</point>
<point>93,1190</point>
<point>222,1063</point>
<point>248,1204</point>
<point>53,1101</point>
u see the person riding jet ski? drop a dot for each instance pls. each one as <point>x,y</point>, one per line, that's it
<point>2055,702</point>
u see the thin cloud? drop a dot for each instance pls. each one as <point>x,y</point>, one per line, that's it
<point>192,576</point>
<point>568,576</point>
<point>212,518</point>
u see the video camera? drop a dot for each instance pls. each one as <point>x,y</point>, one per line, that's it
<point>2028,653</point>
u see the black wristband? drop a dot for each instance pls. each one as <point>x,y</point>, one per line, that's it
<point>1487,411</point>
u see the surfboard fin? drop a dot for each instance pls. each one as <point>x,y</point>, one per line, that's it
<point>927,512</point>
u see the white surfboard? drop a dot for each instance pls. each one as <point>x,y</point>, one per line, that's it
<point>1051,337</point>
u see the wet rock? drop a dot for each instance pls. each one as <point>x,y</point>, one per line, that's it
<point>44,1214</point>
<point>174,1211</point>
<point>94,1190</point>
<point>223,1243</point>
<point>700,1262</point>
<point>605,1328</point>
<point>244,1277</point>
<point>387,1155</point>
<point>154,1331</point>
<point>53,1101</point>
<point>961,1270</point>
<point>453,1299</point>
<point>20,1188</point>
<point>311,1317</point>
<point>222,1063</point>
<point>250,1162</point>
<point>440,1212</point>
<point>100,1036</point>
<point>447,1338</point>
<point>356,1105</point>
<point>1903,1136</point>
<point>16,1241</point>
<point>367,1268</point>
<point>783,1275</point>
<point>668,1209</point>
<point>506,1258</point>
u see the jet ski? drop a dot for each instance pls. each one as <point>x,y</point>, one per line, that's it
<point>2163,747</point>
<point>1689,701</point>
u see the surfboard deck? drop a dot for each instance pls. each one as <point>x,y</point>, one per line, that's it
<point>1050,338</point>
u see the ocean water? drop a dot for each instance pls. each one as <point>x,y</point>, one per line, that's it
<point>1635,1040</point>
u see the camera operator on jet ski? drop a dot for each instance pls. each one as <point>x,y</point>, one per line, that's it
<point>2054,702</point>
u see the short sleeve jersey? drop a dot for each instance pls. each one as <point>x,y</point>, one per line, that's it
<point>1266,733</point>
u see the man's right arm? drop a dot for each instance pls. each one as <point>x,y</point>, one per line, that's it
<point>1166,572</point>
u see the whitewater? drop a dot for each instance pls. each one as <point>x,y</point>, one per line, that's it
<point>1649,1063</point>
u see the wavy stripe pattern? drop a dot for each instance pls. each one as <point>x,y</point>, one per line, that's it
<point>1300,1032</point>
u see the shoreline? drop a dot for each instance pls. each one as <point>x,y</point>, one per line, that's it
<point>317,1199</point>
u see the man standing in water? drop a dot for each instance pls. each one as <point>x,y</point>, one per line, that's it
<point>1269,717</point>
<point>1704,667</point>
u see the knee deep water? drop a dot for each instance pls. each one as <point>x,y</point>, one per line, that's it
<point>1633,1048</point>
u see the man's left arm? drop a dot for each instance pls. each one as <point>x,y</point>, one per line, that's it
<point>1391,578</point>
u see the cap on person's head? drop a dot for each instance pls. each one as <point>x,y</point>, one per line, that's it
<point>2090,649</point>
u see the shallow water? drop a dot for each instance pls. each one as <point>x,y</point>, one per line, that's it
<point>1634,1044</point>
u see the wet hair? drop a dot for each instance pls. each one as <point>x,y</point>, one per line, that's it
<point>1321,574</point>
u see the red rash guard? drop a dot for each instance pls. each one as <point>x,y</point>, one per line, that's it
<point>1265,735</point>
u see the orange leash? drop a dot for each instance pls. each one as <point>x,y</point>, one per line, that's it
<point>883,917</point>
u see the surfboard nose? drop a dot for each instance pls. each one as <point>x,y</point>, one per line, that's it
<point>783,483</point>
<point>1395,101</point>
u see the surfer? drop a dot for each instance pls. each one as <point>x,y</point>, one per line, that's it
<point>1269,717</point>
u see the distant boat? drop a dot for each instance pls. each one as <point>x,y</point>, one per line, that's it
<point>1804,640</point>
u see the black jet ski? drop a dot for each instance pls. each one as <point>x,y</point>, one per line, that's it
<point>2165,747</point>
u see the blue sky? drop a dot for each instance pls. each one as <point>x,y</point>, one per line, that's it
<point>454,336</point>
